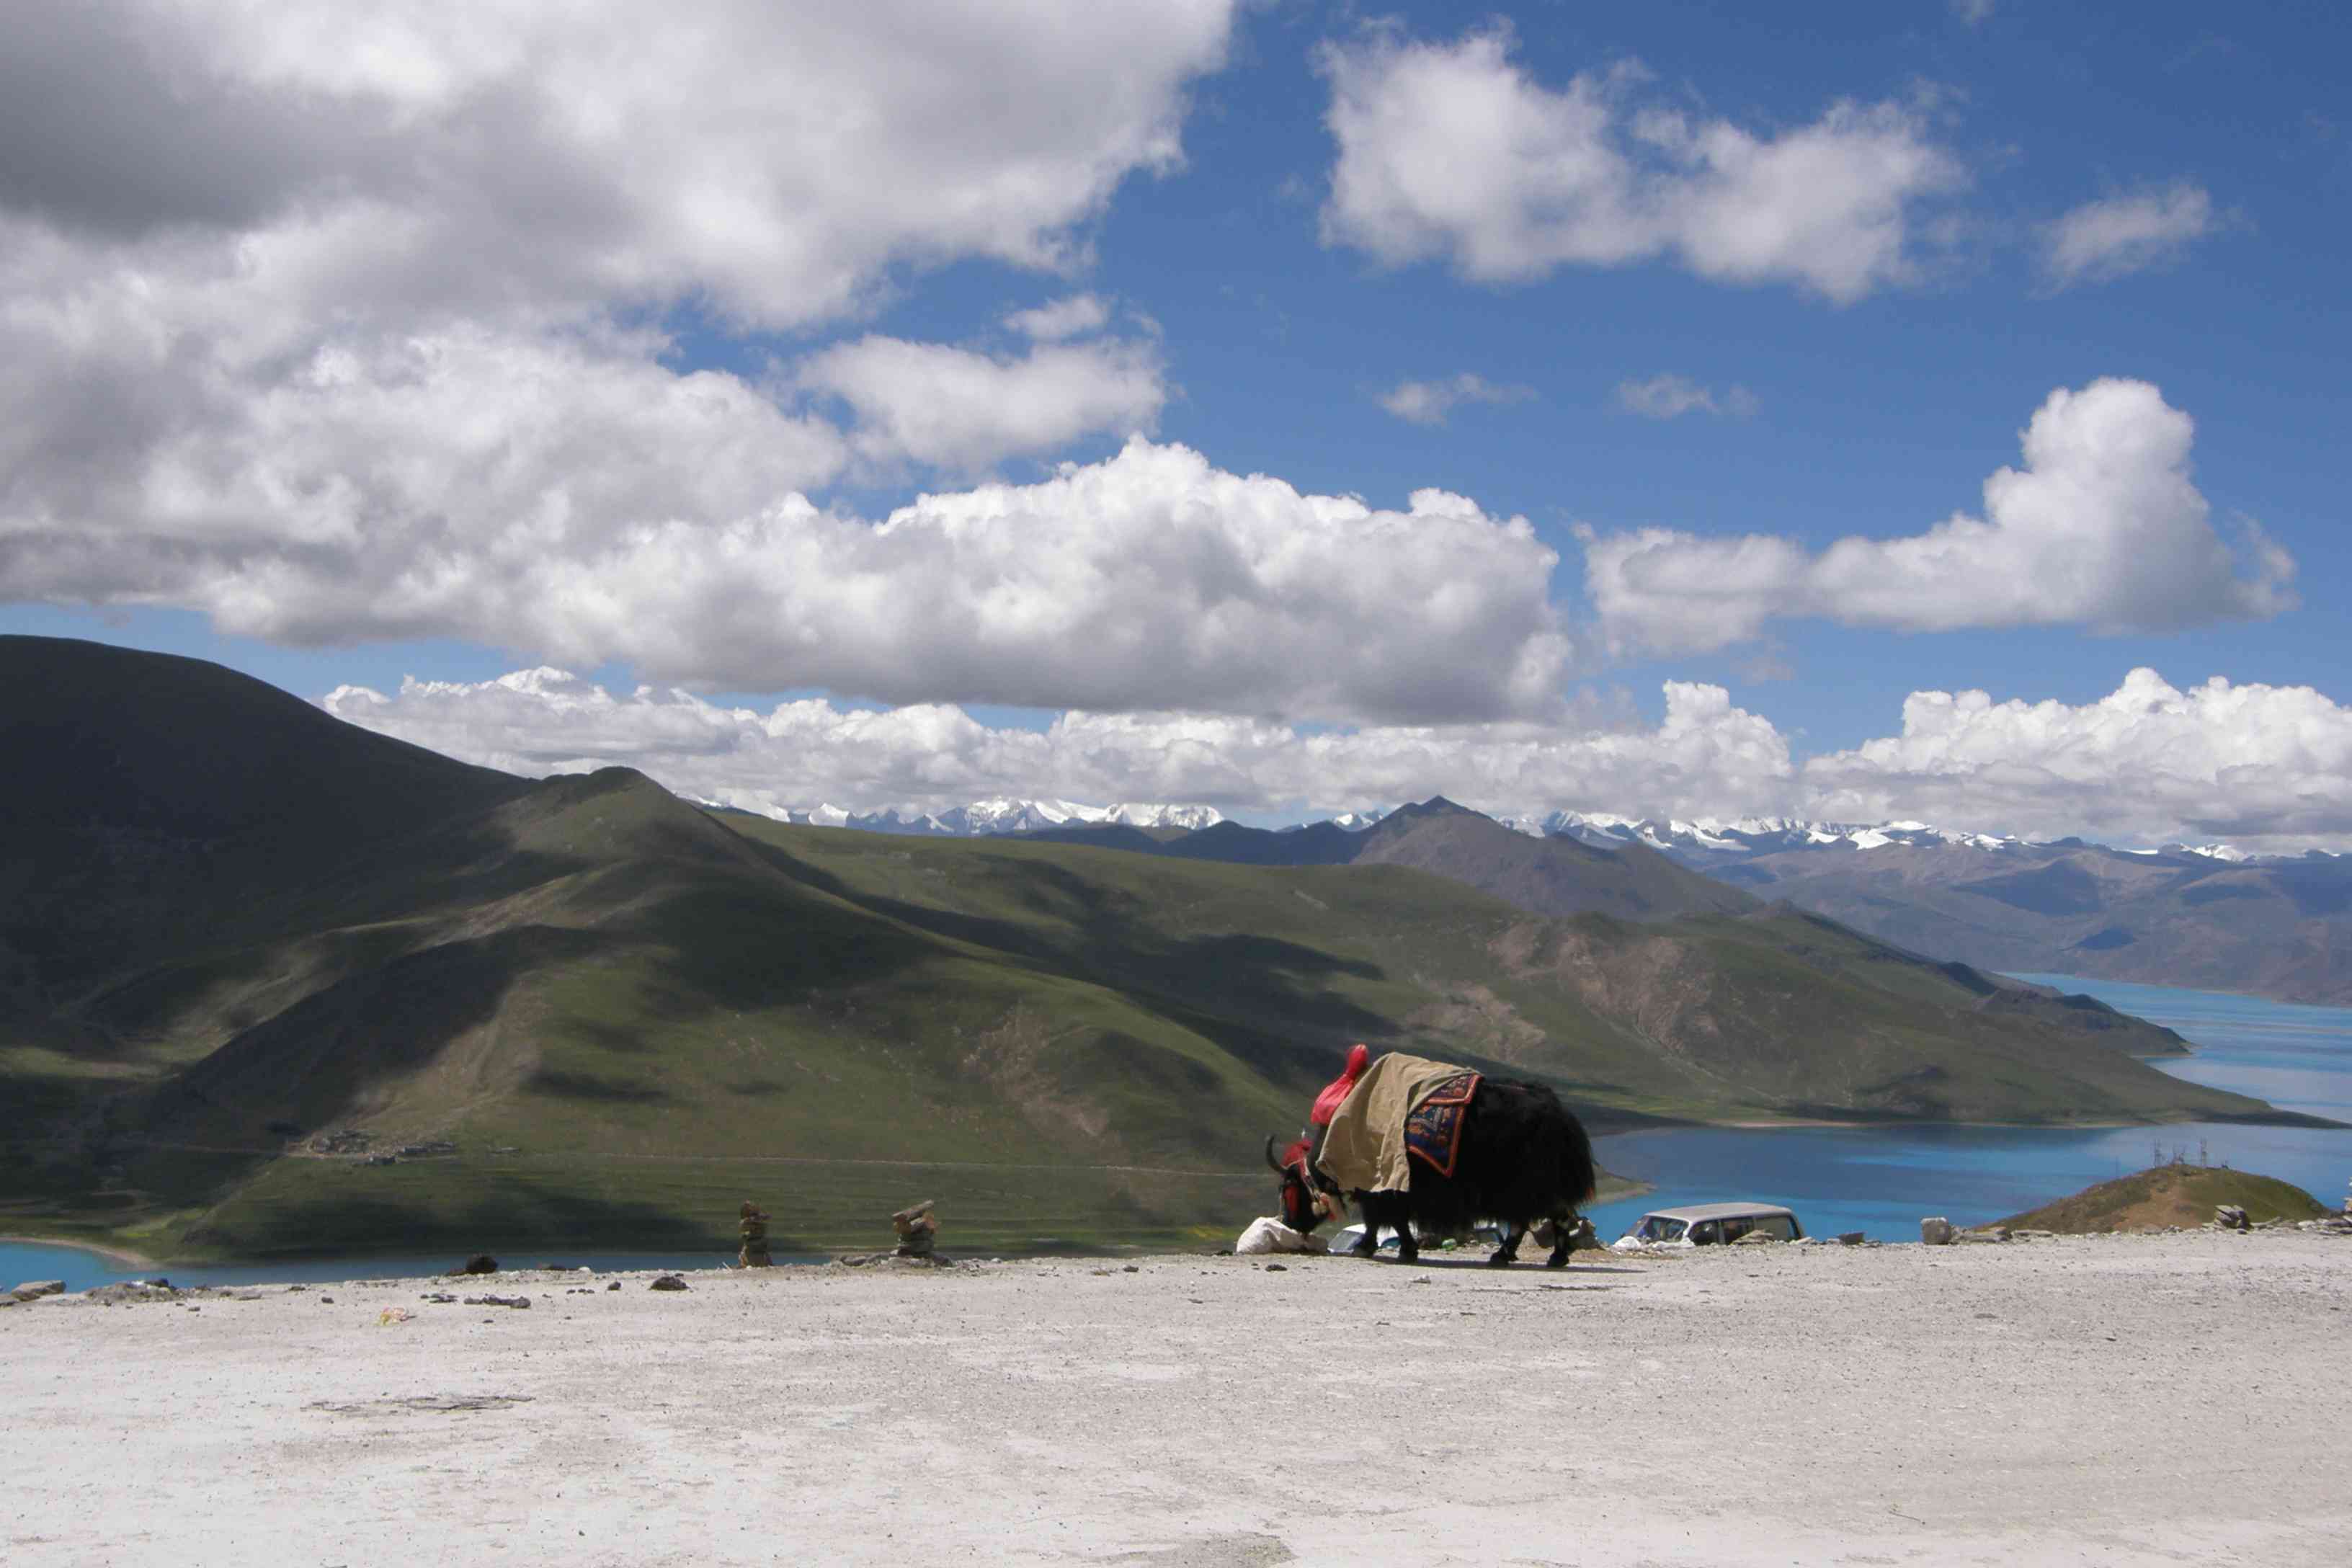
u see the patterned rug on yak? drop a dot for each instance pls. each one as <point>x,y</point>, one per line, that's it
<point>1432,1128</point>
<point>1383,1122</point>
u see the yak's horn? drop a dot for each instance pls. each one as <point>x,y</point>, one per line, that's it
<point>1274,1164</point>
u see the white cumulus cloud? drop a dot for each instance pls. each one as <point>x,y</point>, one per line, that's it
<point>770,160</point>
<point>2106,239</point>
<point>1452,152</point>
<point>328,320</point>
<point>2262,766</point>
<point>1429,401</point>
<point>379,485</point>
<point>1149,580</point>
<point>2101,528</point>
<point>1671,396</point>
<point>964,410</point>
<point>931,757</point>
<point>1073,315</point>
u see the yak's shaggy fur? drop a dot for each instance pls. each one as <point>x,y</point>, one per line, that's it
<point>1524,1158</point>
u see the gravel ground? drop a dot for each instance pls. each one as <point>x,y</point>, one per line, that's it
<point>2178,1398</point>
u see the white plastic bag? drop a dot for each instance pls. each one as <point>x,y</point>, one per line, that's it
<point>1270,1235</point>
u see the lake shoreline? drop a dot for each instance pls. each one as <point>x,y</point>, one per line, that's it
<point>113,1254</point>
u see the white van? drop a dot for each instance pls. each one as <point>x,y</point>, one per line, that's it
<point>1712,1224</point>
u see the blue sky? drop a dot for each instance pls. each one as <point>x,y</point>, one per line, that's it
<point>268,412</point>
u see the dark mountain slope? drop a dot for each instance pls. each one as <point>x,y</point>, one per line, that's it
<point>186,755</point>
<point>1320,844</point>
<point>2275,929</point>
<point>1544,876</point>
<point>146,795</point>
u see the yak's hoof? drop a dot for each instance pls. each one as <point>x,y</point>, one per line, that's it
<point>1502,1258</point>
<point>1363,1252</point>
<point>1557,1260</point>
<point>1408,1255</point>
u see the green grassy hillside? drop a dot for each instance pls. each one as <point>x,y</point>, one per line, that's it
<point>629,1014</point>
<point>2169,1195</point>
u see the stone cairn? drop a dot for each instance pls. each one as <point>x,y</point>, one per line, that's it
<point>755,1238</point>
<point>918,1234</point>
<point>917,1229</point>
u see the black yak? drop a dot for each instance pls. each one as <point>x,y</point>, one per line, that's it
<point>1522,1158</point>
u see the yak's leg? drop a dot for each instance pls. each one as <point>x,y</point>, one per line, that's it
<point>1396,1210</point>
<point>1563,1230</point>
<point>1373,1212</point>
<point>1509,1253</point>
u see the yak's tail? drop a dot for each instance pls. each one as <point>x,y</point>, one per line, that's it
<point>1578,1179</point>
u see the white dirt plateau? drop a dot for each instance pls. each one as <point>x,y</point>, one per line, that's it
<point>2178,1398</point>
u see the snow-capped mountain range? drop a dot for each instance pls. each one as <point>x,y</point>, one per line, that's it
<point>1742,835</point>
<point>1697,842</point>
<point>1003,814</point>
<point>1707,839</point>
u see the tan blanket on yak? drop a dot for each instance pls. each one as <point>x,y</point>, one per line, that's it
<point>1364,1150</point>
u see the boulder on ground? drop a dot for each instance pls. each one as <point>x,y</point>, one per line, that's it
<point>2230,1216</point>
<point>1935,1232</point>
<point>34,1290</point>
<point>669,1282</point>
<point>480,1263</point>
<point>1851,1237</point>
<point>1758,1239</point>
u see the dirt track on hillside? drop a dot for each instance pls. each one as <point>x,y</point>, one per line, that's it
<point>2098,1401</point>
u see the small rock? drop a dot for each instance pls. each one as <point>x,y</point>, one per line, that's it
<point>1935,1232</point>
<point>669,1282</point>
<point>34,1290</point>
<point>614,1286</point>
<point>480,1263</point>
<point>1130,1269</point>
<point>1277,1268</point>
<point>130,1290</point>
<point>497,1301</point>
<point>1850,1238</point>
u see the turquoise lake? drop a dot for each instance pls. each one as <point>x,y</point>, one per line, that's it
<point>1879,1181</point>
<point>1882,1180</point>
